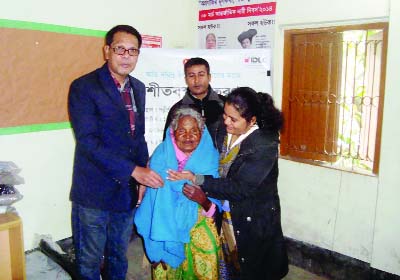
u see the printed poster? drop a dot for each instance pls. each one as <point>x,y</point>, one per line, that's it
<point>235,24</point>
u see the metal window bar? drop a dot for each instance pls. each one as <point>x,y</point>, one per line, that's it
<point>359,113</point>
<point>357,99</point>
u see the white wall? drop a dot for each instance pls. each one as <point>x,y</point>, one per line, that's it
<point>46,162</point>
<point>352,214</point>
<point>46,157</point>
<point>174,20</point>
<point>386,246</point>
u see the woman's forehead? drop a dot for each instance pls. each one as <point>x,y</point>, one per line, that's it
<point>187,121</point>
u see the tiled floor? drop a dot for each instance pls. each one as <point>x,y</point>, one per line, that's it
<point>40,267</point>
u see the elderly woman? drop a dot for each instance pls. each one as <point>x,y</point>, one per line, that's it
<point>179,234</point>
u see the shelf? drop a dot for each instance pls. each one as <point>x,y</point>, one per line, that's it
<point>12,256</point>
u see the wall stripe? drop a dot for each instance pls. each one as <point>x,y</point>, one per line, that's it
<point>6,23</point>
<point>34,128</point>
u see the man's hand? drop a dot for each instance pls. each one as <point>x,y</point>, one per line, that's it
<point>196,194</point>
<point>146,176</point>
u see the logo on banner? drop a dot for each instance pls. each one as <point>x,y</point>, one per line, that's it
<point>255,60</point>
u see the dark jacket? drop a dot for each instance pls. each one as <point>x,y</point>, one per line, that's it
<point>211,107</point>
<point>251,188</point>
<point>106,153</point>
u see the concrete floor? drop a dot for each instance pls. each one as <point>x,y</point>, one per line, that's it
<point>139,268</point>
<point>297,273</point>
<point>40,267</point>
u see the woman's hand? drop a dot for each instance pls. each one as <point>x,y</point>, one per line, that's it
<point>181,175</point>
<point>196,194</point>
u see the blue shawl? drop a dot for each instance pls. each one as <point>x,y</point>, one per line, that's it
<point>166,216</point>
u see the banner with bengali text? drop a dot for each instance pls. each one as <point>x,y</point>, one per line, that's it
<point>161,70</point>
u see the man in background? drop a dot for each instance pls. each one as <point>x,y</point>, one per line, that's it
<point>106,110</point>
<point>201,97</point>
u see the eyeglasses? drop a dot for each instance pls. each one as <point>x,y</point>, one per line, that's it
<point>122,51</point>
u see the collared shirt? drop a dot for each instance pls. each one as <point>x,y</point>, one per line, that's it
<point>126,92</point>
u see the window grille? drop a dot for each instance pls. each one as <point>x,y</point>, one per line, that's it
<point>333,96</point>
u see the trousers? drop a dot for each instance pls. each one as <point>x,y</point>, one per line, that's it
<point>96,234</point>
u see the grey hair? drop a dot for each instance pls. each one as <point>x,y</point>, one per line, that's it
<point>183,112</point>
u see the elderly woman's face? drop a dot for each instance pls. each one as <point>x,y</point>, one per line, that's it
<point>187,134</point>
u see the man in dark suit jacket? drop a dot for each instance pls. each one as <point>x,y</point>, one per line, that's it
<point>106,110</point>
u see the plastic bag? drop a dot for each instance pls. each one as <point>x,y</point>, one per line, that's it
<point>9,195</point>
<point>9,173</point>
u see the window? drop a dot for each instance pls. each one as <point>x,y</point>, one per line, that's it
<point>333,96</point>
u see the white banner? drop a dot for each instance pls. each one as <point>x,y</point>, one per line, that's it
<point>161,70</point>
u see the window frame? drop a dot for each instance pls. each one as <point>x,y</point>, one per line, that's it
<point>285,153</point>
